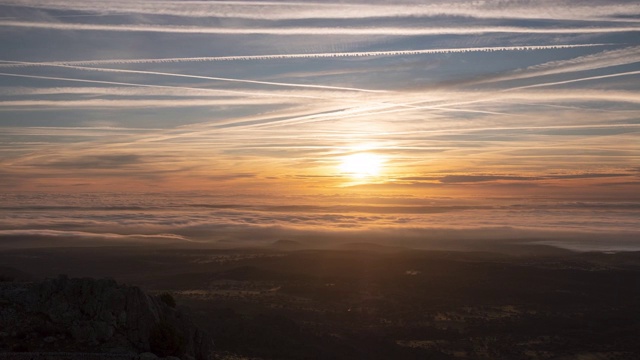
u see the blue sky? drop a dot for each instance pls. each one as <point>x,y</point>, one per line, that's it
<point>520,100</point>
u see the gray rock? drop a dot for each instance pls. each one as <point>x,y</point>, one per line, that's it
<point>147,356</point>
<point>50,339</point>
<point>95,315</point>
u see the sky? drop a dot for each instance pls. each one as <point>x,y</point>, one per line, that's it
<point>204,121</point>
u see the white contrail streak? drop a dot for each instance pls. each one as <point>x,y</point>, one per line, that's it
<point>383,104</point>
<point>162,86</point>
<point>307,56</point>
<point>137,103</point>
<point>383,31</point>
<point>576,80</point>
<point>201,89</point>
<point>599,60</point>
<point>326,87</point>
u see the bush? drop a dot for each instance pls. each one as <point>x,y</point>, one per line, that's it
<point>20,348</point>
<point>166,341</point>
<point>168,299</point>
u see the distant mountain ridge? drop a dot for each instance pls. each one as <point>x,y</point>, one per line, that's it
<point>95,316</point>
<point>284,244</point>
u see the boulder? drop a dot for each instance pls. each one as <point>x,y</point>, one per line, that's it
<point>93,315</point>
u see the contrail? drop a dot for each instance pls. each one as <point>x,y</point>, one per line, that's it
<point>307,56</point>
<point>576,80</point>
<point>327,87</point>
<point>446,107</point>
<point>201,89</point>
<point>319,31</point>
<point>137,103</point>
<point>384,104</point>
<point>162,86</point>
<point>311,118</point>
<point>608,58</point>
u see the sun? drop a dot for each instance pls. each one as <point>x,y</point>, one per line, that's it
<point>362,165</point>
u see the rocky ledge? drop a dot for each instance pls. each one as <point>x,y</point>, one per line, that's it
<point>95,316</point>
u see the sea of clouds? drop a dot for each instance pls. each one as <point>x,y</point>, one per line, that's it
<point>33,219</point>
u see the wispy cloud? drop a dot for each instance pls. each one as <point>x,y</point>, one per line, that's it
<point>90,235</point>
<point>604,59</point>
<point>110,161</point>
<point>283,10</point>
<point>487,178</point>
<point>320,31</point>
<point>588,78</point>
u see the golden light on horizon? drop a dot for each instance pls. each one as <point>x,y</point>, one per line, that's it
<point>362,165</point>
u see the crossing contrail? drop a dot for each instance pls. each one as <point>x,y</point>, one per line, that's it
<point>235,92</point>
<point>575,80</point>
<point>325,87</point>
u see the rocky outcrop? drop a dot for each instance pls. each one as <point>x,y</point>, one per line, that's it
<point>89,315</point>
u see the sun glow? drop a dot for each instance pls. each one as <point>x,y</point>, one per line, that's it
<point>362,165</point>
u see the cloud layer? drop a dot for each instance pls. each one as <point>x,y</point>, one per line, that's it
<point>205,220</point>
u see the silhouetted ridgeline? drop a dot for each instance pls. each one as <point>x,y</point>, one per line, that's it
<point>77,356</point>
<point>93,316</point>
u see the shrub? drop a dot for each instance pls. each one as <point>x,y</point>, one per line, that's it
<point>166,341</point>
<point>168,299</point>
<point>20,348</point>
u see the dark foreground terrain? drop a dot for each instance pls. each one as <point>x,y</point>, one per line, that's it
<point>385,303</point>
